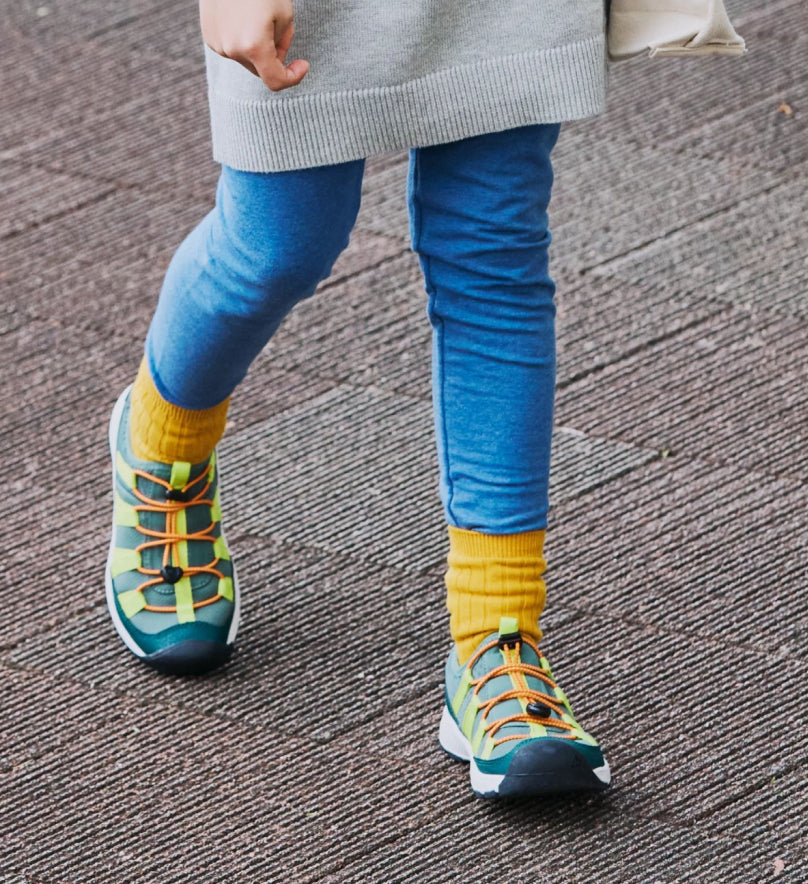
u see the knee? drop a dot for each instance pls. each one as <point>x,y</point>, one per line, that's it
<point>274,270</point>
<point>276,236</point>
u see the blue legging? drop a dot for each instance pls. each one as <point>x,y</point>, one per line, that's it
<point>478,221</point>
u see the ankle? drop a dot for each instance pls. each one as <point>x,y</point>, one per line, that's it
<point>164,432</point>
<point>493,576</point>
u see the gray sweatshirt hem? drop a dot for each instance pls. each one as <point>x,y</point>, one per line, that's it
<point>287,132</point>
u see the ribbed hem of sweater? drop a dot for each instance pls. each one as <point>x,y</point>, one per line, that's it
<point>549,86</point>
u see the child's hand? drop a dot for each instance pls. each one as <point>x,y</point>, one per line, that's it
<point>256,34</point>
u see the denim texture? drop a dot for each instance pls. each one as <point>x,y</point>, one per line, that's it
<point>479,224</point>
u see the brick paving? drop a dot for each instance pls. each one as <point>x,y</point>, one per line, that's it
<point>677,611</point>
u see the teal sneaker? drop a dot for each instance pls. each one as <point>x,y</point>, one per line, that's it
<point>508,718</point>
<point>170,584</point>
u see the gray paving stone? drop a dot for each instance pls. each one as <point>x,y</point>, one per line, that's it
<point>601,320</point>
<point>731,388</point>
<point>101,271</point>
<point>369,328</point>
<point>53,432</point>
<point>752,256</point>
<point>689,549</point>
<point>161,797</point>
<point>60,21</point>
<point>158,140</point>
<point>581,463</point>
<point>741,10</point>
<point>31,195</point>
<point>632,687</point>
<point>683,779</point>
<point>352,471</point>
<point>771,814</point>
<point>666,710</point>
<point>545,845</point>
<point>47,92</point>
<point>619,200</point>
<point>764,141</point>
<point>60,398</point>
<point>384,201</point>
<point>10,318</point>
<point>655,163</point>
<point>298,603</point>
<point>170,30</point>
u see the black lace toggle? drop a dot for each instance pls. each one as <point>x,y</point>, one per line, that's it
<point>538,709</point>
<point>176,494</point>
<point>171,573</point>
<point>509,640</point>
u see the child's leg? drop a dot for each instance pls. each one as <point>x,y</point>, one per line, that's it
<point>479,224</point>
<point>171,587</point>
<point>266,245</point>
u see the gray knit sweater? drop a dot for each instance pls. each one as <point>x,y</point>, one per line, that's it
<point>391,74</point>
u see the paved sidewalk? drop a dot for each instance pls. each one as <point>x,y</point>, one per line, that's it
<point>678,602</point>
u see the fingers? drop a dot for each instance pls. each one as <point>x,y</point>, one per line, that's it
<point>278,77</point>
<point>257,34</point>
<point>268,57</point>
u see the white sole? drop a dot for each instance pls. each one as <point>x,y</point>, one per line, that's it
<point>452,740</point>
<point>126,638</point>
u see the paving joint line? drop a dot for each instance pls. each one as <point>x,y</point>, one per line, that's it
<point>381,843</point>
<point>692,224</point>
<point>418,694</point>
<point>30,161</point>
<point>751,788</point>
<point>251,728</point>
<point>55,216</point>
<point>654,457</point>
<point>728,463</point>
<point>645,345</point>
<point>712,641</point>
<point>682,824</point>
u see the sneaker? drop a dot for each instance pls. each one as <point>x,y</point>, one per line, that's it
<point>508,718</point>
<point>170,585</point>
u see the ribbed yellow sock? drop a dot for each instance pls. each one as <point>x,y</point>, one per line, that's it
<point>492,576</point>
<point>164,432</point>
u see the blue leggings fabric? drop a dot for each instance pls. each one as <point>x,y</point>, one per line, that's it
<point>478,222</point>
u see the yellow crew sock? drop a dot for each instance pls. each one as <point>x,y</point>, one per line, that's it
<point>492,576</point>
<point>164,432</point>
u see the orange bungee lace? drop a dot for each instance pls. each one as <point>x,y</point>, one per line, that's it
<point>170,538</point>
<point>542,704</point>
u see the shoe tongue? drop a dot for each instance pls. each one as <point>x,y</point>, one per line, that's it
<point>180,473</point>
<point>501,654</point>
<point>508,626</point>
<point>177,474</point>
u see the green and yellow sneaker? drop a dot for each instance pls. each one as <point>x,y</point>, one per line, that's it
<point>508,718</point>
<point>171,587</point>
